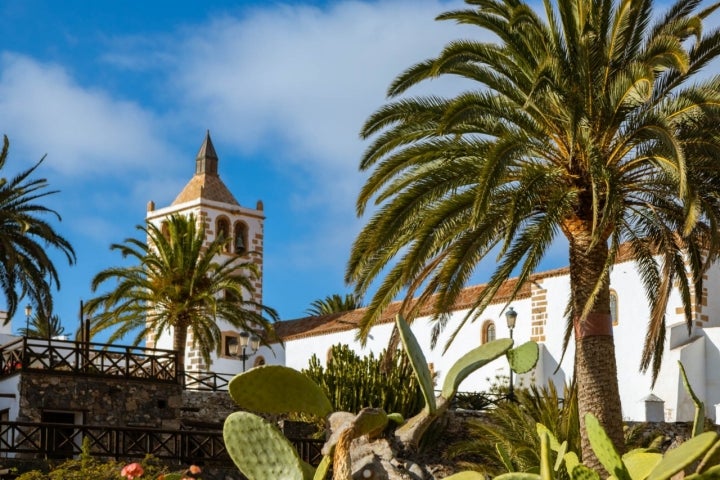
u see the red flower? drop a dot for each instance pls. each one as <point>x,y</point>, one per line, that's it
<point>131,471</point>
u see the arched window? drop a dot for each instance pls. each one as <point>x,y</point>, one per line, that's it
<point>614,307</point>
<point>259,361</point>
<point>488,331</point>
<point>241,242</point>
<point>222,227</point>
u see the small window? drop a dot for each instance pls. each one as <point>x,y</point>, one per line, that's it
<point>488,331</point>
<point>614,307</point>
<point>240,246</point>
<point>259,361</point>
<point>223,231</point>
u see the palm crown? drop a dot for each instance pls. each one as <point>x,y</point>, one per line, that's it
<point>585,124</point>
<point>180,284</point>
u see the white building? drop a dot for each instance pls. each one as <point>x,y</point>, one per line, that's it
<point>540,305</point>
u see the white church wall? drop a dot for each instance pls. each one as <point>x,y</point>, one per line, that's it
<point>712,372</point>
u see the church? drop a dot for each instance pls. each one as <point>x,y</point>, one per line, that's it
<point>539,306</point>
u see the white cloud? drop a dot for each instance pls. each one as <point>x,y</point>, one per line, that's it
<point>83,130</point>
<point>301,80</point>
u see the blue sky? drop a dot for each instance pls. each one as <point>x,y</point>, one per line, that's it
<point>119,94</point>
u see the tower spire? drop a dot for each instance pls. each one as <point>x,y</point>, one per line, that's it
<point>206,161</point>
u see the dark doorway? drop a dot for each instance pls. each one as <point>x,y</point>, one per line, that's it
<point>59,440</point>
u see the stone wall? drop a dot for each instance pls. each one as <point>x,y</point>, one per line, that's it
<point>206,408</point>
<point>101,401</point>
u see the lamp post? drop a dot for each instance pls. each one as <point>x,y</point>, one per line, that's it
<point>245,339</point>
<point>28,311</point>
<point>511,318</point>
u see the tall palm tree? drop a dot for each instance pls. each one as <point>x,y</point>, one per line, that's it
<point>586,121</point>
<point>334,303</point>
<point>43,325</point>
<point>26,239</point>
<point>180,284</point>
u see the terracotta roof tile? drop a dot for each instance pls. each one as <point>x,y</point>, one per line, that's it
<point>340,322</point>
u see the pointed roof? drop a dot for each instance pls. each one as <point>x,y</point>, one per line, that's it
<point>206,183</point>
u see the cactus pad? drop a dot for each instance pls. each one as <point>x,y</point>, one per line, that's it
<point>418,362</point>
<point>524,358</point>
<point>604,448</point>
<point>278,389</point>
<point>639,464</point>
<point>471,361</point>
<point>467,476</point>
<point>259,450</point>
<point>682,456</point>
<point>581,472</point>
<point>509,476</point>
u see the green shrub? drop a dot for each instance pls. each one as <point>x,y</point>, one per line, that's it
<point>506,439</point>
<point>352,383</point>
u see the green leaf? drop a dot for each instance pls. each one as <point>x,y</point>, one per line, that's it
<point>471,361</point>
<point>604,448</point>
<point>524,358</point>
<point>682,456</point>
<point>278,389</point>
<point>418,362</point>
<point>259,449</point>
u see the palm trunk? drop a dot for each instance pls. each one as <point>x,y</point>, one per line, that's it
<point>179,343</point>
<point>595,365</point>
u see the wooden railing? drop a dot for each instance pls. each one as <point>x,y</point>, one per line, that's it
<point>207,381</point>
<point>57,440</point>
<point>68,357</point>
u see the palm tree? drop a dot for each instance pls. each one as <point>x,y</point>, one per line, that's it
<point>586,121</point>
<point>26,239</point>
<point>334,303</point>
<point>180,284</point>
<point>43,325</point>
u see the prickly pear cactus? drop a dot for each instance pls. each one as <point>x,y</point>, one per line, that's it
<point>581,472</point>
<point>524,358</point>
<point>466,476</point>
<point>639,464</point>
<point>604,449</point>
<point>259,449</point>
<point>470,362</point>
<point>684,455</point>
<point>278,389</point>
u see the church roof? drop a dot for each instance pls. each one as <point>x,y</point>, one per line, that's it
<point>206,183</point>
<point>340,322</point>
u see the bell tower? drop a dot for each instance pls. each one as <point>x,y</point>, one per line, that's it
<point>218,212</point>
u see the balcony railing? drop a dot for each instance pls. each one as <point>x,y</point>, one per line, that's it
<point>57,440</point>
<point>99,359</point>
<point>68,357</point>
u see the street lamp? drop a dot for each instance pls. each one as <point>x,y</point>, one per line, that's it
<point>244,339</point>
<point>28,311</point>
<point>511,318</point>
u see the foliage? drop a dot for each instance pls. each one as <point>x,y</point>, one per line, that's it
<point>43,325</point>
<point>584,120</point>
<point>26,239</point>
<point>181,283</point>
<point>352,383</point>
<point>87,466</point>
<point>334,303</point>
<point>505,440</point>
<point>260,451</point>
